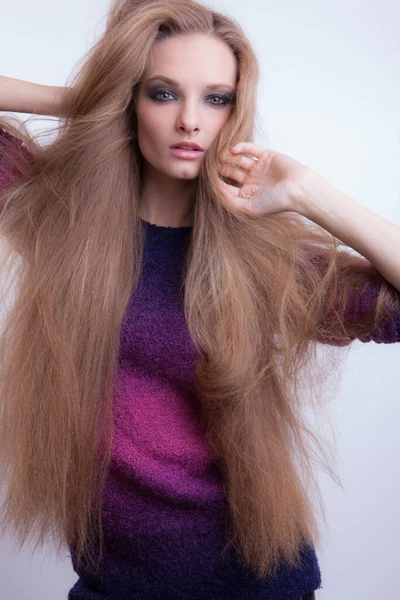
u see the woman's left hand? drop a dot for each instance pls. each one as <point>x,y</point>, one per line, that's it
<point>271,184</point>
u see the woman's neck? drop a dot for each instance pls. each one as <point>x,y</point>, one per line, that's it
<point>166,201</point>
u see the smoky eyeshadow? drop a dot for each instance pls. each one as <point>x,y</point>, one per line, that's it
<point>152,91</point>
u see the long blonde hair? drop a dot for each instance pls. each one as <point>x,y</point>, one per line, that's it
<point>255,305</point>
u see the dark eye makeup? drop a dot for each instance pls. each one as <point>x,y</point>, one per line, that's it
<point>224,99</point>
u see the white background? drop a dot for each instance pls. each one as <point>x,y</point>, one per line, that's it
<point>329,96</point>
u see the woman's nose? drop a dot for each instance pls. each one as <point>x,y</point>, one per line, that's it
<point>189,118</point>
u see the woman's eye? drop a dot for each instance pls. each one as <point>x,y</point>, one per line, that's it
<point>222,99</point>
<point>156,94</point>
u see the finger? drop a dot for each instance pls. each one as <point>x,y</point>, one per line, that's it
<point>235,173</point>
<point>241,161</point>
<point>229,190</point>
<point>248,148</point>
<point>244,162</point>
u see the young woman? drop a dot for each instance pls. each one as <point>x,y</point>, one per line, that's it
<point>168,308</point>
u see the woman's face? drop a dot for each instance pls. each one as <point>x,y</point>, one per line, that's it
<point>194,108</point>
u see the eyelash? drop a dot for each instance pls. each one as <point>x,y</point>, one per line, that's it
<point>226,98</point>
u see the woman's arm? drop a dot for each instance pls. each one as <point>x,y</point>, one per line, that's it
<point>17,95</point>
<point>369,234</point>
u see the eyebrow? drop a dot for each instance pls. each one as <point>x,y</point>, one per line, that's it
<point>211,86</point>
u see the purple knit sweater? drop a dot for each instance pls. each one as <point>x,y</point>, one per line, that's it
<point>165,513</point>
<point>164,507</point>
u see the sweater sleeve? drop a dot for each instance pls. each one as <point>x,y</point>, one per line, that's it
<point>8,173</point>
<point>360,312</point>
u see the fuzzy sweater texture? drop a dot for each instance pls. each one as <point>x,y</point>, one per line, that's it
<point>165,512</point>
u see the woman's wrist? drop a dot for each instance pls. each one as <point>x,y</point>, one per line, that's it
<point>57,97</point>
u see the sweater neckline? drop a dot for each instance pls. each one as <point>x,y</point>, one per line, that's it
<point>160,228</point>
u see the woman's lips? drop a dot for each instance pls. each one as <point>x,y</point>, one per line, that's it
<point>188,154</point>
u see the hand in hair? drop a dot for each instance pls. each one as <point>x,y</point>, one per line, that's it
<point>269,181</point>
